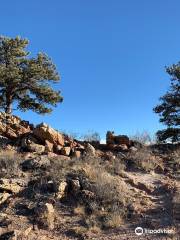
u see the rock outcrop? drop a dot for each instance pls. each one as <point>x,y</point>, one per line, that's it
<point>118,140</point>
<point>12,126</point>
<point>45,133</point>
<point>43,139</point>
<point>90,150</point>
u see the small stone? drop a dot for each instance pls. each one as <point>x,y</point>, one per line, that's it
<point>4,196</point>
<point>34,147</point>
<point>123,147</point>
<point>52,155</point>
<point>62,189</point>
<point>66,151</point>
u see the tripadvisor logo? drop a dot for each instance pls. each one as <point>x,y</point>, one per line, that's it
<point>139,231</point>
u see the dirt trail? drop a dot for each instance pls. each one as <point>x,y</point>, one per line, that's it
<point>159,213</point>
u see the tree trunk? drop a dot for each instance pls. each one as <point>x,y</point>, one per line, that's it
<point>8,109</point>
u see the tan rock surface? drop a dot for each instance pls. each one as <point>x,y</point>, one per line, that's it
<point>12,126</point>
<point>45,132</point>
<point>66,151</point>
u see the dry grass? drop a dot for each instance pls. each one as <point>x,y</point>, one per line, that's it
<point>111,194</point>
<point>10,163</point>
<point>95,229</point>
<point>79,231</point>
<point>116,166</point>
<point>45,216</point>
<point>82,231</point>
<point>114,220</point>
<point>143,160</point>
<point>79,210</point>
<point>176,158</point>
<point>108,188</point>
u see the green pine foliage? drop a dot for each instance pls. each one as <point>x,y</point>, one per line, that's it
<point>26,81</point>
<point>169,107</point>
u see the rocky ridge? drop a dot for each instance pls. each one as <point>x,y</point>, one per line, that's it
<point>44,139</point>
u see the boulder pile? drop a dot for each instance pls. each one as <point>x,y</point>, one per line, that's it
<point>43,139</point>
<point>40,139</point>
<point>118,142</point>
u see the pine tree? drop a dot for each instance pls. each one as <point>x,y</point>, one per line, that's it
<point>24,81</point>
<point>169,108</point>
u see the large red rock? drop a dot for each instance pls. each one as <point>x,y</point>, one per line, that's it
<point>44,132</point>
<point>118,140</point>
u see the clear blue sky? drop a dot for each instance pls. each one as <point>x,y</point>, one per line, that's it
<point>110,54</point>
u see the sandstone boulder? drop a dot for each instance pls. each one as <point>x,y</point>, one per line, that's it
<point>33,147</point>
<point>119,139</point>
<point>62,189</point>
<point>4,196</point>
<point>51,155</point>
<point>123,147</point>
<point>90,150</point>
<point>66,151</point>
<point>44,132</point>
<point>11,185</point>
